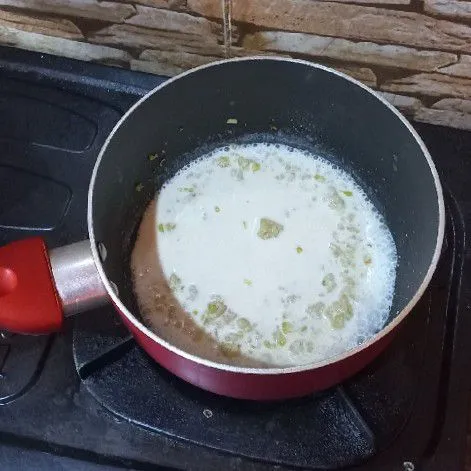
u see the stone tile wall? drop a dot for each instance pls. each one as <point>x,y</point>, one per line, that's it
<point>418,53</point>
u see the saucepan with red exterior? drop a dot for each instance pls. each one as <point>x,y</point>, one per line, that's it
<point>274,99</point>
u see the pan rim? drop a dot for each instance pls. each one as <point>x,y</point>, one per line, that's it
<point>385,331</point>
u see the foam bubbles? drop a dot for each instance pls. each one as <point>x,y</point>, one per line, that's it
<point>270,256</point>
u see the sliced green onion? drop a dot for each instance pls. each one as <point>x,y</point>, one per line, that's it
<point>329,283</point>
<point>255,167</point>
<point>287,327</point>
<point>223,161</point>
<point>269,229</point>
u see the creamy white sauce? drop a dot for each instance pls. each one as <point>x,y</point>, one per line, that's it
<point>264,255</point>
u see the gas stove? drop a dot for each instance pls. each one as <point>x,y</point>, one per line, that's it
<point>90,399</point>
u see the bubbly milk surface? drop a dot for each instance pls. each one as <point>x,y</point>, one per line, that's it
<point>263,255</point>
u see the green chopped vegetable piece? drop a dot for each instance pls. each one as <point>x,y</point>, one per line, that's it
<point>304,328</point>
<point>297,347</point>
<point>350,284</point>
<point>223,161</point>
<point>279,338</point>
<point>339,312</point>
<point>316,309</point>
<point>301,346</point>
<point>335,201</point>
<point>187,189</point>
<point>230,350</point>
<point>139,187</point>
<point>299,249</point>
<point>247,282</point>
<point>269,229</point>
<point>152,157</point>
<point>243,163</point>
<point>329,283</point>
<point>338,321</point>
<point>246,164</point>
<point>214,310</point>
<point>319,178</point>
<point>347,193</point>
<point>287,327</point>
<point>232,121</point>
<point>217,209</point>
<point>174,282</point>
<point>255,167</point>
<point>268,344</point>
<point>345,254</point>
<point>244,324</point>
<point>244,223</point>
<point>234,338</point>
<point>336,250</point>
<point>291,298</point>
<point>348,309</point>
<point>195,312</point>
<point>167,227</point>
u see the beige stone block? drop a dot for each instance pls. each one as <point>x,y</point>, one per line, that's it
<point>169,62</point>
<point>461,69</point>
<point>407,104</point>
<point>61,47</point>
<point>454,119</point>
<point>453,104</point>
<point>149,3</point>
<point>170,4</point>
<point>105,11</point>
<point>375,2</point>
<point>169,20</point>
<point>50,26</point>
<point>435,85</point>
<point>343,49</point>
<point>145,38</point>
<point>348,21</point>
<point>363,74</point>
<point>455,9</point>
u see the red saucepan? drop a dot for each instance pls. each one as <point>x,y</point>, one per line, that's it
<point>272,99</point>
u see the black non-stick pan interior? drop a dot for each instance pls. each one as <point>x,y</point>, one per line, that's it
<point>276,100</point>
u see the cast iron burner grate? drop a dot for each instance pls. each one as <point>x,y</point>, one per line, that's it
<point>361,421</point>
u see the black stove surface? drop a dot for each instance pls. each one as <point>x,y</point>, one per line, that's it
<point>90,399</point>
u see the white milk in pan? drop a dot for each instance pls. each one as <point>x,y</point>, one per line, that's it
<point>273,257</point>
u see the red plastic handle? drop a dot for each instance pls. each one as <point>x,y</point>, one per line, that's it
<point>29,302</point>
